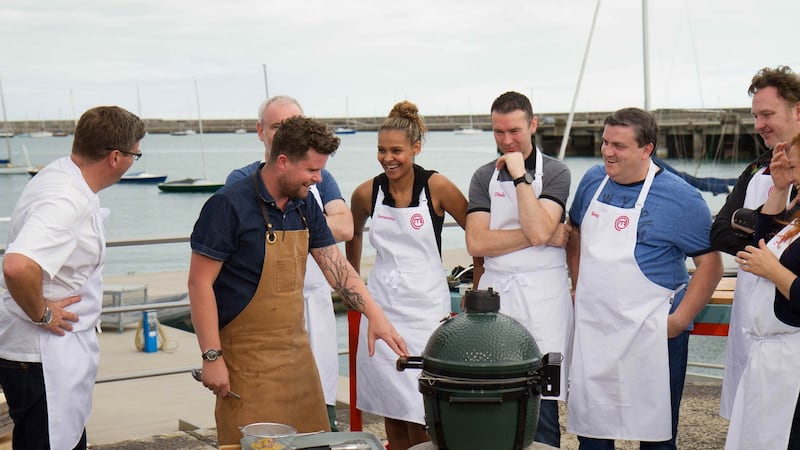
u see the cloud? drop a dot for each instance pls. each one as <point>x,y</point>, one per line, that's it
<point>448,56</point>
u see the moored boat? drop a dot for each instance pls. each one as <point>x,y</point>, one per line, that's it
<point>468,130</point>
<point>344,130</point>
<point>142,177</point>
<point>41,134</point>
<point>187,132</point>
<point>189,185</point>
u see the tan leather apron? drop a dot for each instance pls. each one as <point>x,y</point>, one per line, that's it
<point>267,351</point>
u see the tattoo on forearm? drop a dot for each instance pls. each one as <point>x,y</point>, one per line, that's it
<point>340,271</point>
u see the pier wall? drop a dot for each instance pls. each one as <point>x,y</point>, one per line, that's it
<point>683,133</point>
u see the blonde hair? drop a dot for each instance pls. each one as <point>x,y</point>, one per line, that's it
<point>405,116</point>
<point>795,219</point>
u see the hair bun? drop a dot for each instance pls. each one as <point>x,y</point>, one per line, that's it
<point>405,110</point>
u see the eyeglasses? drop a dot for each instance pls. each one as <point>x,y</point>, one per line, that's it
<point>135,156</point>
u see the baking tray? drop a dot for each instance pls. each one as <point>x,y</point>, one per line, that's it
<point>336,438</point>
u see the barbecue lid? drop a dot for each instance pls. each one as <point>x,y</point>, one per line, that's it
<point>481,341</point>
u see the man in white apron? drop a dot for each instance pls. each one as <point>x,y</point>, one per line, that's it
<point>516,206</point>
<point>52,283</point>
<point>776,110</point>
<point>764,411</point>
<point>320,320</point>
<point>249,248</point>
<point>633,226</point>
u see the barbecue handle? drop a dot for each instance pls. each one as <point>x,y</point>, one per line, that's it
<point>409,362</point>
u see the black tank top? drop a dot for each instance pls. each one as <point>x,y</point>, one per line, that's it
<point>421,177</point>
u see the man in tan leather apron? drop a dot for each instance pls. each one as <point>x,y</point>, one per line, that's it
<point>52,290</point>
<point>320,318</point>
<point>250,246</point>
<point>635,223</point>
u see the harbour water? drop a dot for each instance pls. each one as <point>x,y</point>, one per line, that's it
<point>143,211</point>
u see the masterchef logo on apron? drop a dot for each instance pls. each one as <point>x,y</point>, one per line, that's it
<point>621,223</point>
<point>417,221</point>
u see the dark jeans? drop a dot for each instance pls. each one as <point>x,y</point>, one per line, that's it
<point>794,433</point>
<point>548,431</point>
<point>23,386</point>
<point>678,353</point>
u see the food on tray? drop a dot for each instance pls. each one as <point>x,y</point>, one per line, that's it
<point>267,444</point>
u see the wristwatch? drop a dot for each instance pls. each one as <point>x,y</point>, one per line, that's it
<point>47,317</point>
<point>527,179</point>
<point>212,354</point>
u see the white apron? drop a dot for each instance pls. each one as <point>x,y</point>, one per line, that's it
<point>409,283</point>
<point>738,343</point>
<point>70,362</point>
<point>763,409</point>
<point>619,383</point>
<point>533,282</point>
<point>321,322</point>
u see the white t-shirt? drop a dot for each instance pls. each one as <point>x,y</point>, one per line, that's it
<point>53,223</point>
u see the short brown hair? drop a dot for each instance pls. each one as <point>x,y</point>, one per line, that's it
<point>643,123</point>
<point>781,78</point>
<point>104,128</point>
<point>512,101</point>
<point>297,135</point>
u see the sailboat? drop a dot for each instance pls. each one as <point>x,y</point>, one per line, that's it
<point>468,129</point>
<point>346,128</point>
<point>6,167</point>
<point>42,133</point>
<point>241,129</point>
<point>193,184</point>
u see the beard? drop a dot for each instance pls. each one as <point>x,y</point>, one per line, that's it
<point>293,190</point>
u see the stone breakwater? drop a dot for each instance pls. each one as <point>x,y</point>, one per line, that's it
<point>684,133</point>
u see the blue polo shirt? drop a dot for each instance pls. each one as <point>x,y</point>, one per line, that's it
<point>675,223</point>
<point>231,229</point>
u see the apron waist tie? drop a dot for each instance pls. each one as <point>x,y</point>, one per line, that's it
<point>514,278</point>
<point>392,277</point>
<point>769,337</point>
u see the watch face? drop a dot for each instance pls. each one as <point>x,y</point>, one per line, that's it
<point>212,354</point>
<point>528,178</point>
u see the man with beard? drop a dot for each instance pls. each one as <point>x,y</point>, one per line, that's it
<point>320,318</point>
<point>249,251</point>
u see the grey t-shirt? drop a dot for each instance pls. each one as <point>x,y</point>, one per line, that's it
<point>555,182</point>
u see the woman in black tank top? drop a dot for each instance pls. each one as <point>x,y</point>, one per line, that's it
<point>402,182</point>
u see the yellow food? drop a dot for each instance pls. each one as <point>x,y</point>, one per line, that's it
<point>267,444</point>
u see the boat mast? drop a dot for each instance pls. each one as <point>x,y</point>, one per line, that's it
<point>266,84</point>
<point>646,56</point>
<point>138,101</point>
<point>72,105</point>
<point>5,121</point>
<point>565,138</point>
<point>200,124</point>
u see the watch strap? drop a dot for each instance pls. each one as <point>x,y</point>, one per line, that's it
<point>211,354</point>
<point>47,317</point>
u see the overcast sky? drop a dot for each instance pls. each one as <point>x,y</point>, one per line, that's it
<point>354,57</point>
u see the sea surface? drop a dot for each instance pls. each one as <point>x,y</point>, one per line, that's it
<point>139,211</point>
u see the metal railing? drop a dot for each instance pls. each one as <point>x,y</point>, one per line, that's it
<point>171,239</point>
